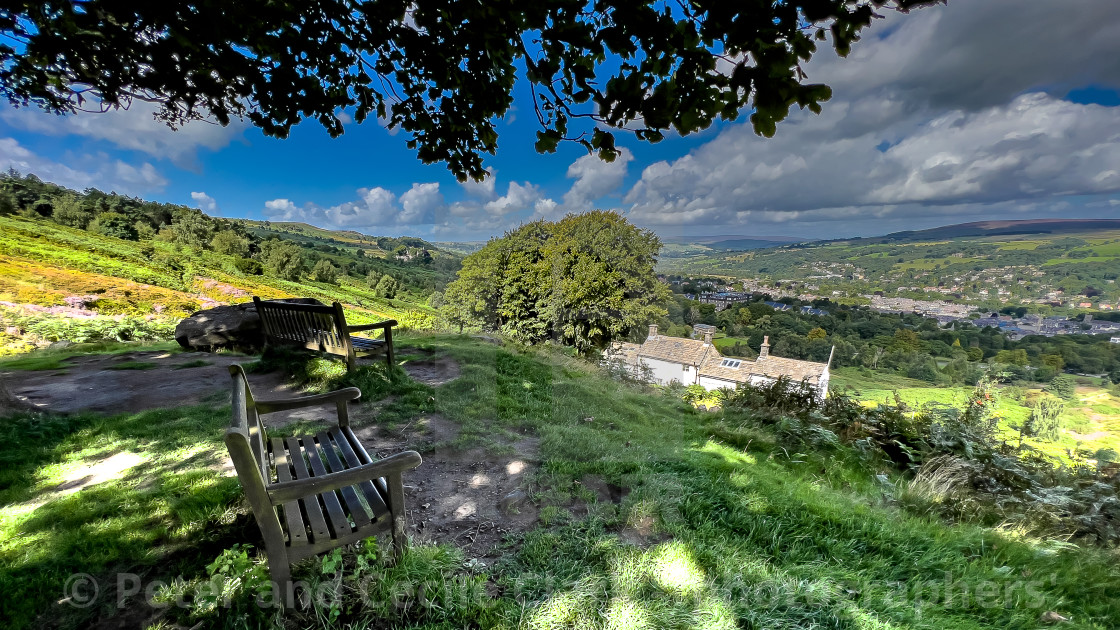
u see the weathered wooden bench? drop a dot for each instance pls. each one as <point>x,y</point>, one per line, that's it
<point>312,493</point>
<point>323,328</point>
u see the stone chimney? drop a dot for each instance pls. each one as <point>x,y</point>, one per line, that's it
<point>707,337</point>
<point>764,351</point>
<point>652,331</point>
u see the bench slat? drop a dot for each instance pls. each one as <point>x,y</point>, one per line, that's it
<point>373,498</point>
<point>315,518</point>
<point>297,530</point>
<point>358,511</point>
<point>365,342</point>
<point>339,523</point>
<point>320,328</point>
<point>364,458</point>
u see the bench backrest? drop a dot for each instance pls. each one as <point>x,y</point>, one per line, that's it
<point>247,443</point>
<point>311,326</point>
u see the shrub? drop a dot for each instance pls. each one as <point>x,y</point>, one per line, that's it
<point>282,259</point>
<point>115,225</point>
<point>387,287</point>
<point>248,266</point>
<point>324,271</point>
<point>229,243</point>
<point>1063,386</point>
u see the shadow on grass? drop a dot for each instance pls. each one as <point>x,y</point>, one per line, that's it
<point>166,514</point>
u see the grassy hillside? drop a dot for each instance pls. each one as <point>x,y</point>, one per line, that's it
<point>1059,265</point>
<point>74,265</point>
<point>716,520</point>
<point>43,264</point>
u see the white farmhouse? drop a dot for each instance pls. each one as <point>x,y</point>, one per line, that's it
<point>699,362</point>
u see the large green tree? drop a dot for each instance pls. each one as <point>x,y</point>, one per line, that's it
<point>443,71</point>
<point>581,281</point>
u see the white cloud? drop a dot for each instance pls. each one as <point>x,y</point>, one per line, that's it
<point>483,189</point>
<point>946,112</point>
<point>284,210</point>
<point>83,171</point>
<point>594,179</point>
<point>205,202</point>
<point>518,197</point>
<point>134,129</point>
<point>375,207</point>
<point>422,204</point>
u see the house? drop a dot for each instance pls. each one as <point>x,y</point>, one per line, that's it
<point>699,362</point>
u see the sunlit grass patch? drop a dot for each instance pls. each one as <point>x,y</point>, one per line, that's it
<point>84,493</point>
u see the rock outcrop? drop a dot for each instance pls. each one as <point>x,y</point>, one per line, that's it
<point>233,326</point>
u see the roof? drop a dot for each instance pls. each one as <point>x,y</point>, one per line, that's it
<point>709,359</point>
<point>795,369</point>
<point>769,367</point>
<point>675,349</point>
<point>625,351</point>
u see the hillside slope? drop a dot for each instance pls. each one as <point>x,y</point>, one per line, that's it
<point>648,514</point>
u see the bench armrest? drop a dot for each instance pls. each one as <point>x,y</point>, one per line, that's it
<point>360,327</point>
<point>284,404</point>
<point>286,491</point>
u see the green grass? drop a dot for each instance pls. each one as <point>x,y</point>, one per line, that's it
<point>33,363</point>
<point>721,527</point>
<point>47,359</point>
<point>159,510</point>
<point>866,379</point>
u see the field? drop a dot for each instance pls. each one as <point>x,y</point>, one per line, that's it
<point>1090,422</point>
<point>651,515</point>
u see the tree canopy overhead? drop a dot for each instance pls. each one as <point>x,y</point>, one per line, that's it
<point>442,70</point>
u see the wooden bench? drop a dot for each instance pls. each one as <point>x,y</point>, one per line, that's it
<point>313,493</point>
<point>323,328</point>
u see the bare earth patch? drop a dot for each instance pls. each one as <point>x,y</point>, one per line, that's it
<point>434,372</point>
<point>89,383</point>
<point>471,499</point>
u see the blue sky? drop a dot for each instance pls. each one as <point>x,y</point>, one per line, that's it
<point>984,109</point>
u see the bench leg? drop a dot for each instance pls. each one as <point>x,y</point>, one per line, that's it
<point>396,511</point>
<point>282,578</point>
<point>389,347</point>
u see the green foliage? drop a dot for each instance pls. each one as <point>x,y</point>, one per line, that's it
<point>57,328</point>
<point>1045,420</point>
<point>282,259</point>
<point>230,243</point>
<point>114,224</point>
<point>70,211</point>
<point>622,65</point>
<point>387,287</point>
<point>324,271</point>
<point>248,266</point>
<point>1063,386</point>
<point>581,281</point>
<point>192,228</point>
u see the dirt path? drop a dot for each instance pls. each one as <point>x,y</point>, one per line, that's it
<point>103,383</point>
<point>472,499</point>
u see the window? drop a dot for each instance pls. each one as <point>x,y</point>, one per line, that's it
<point>731,363</point>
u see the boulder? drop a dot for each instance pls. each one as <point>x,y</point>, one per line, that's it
<point>232,326</point>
